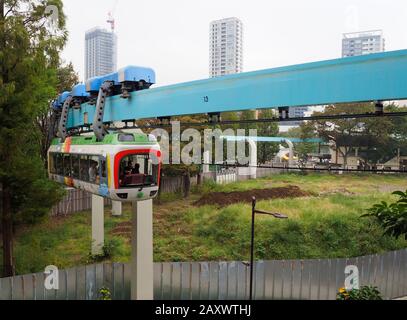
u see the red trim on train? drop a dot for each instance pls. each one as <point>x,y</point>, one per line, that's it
<point>120,155</point>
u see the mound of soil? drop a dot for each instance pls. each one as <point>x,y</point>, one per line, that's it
<point>228,198</point>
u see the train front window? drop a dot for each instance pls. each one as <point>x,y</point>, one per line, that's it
<point>137,170</point>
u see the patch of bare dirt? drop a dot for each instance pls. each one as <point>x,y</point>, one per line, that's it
<point>124,224</point>
<point>228,198</point>
<point>390,188</point>
<point>122,229</point>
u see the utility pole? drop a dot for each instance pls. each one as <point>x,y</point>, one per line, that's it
<point>254,212</point>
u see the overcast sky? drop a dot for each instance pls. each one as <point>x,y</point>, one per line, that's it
<point>172,36</point>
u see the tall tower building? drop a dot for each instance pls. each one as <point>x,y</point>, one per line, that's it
<point>225,47</point>
<point>100,52</point>
<point>360,43</point>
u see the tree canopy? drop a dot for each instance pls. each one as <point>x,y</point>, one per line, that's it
<point>376,138</point>
<point>29,54</point>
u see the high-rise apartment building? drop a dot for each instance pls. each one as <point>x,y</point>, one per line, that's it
<point>100,52</point>
<point>225,47</point>
<point>360,43</point>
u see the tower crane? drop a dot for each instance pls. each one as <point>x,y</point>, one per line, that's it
<point>111,19</point>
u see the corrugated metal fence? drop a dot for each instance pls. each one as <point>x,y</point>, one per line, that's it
<point>286,279</point>
<point>175,184</point>
<point>75,200</point>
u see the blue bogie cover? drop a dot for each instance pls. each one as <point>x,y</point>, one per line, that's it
<point>135,73</point>
<point>79,91</point>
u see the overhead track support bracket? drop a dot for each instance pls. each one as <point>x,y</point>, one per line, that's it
<point>62,128</point>
<point>98,126</point>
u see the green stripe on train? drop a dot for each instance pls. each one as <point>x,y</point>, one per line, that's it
<point>139,138</point>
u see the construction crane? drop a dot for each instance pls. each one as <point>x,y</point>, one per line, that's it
<point>110,14</point>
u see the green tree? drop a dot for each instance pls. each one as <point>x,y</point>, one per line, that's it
<point>305,131</point>
<point>399,129</point>
<point>66,79</point>
<point>371,135</point>
<point>392,217</point>
<point>248,115</point>
<point>230,116</point>
<point>267,150</point>
<point>29,54</point>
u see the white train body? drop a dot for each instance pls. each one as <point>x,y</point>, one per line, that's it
<point>123,167</point>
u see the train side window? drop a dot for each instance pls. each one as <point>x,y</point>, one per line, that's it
<point>84,168</point>
<point>126,137</point>
<point>52,163</point>
<point>67,165</point>
<point>94,169</point>
<point>103,167</point>
<point>59,164</point>
<point>75,166</point>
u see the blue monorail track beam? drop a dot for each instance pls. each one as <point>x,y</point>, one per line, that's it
<point>263,120</point>
<point>374,77</point>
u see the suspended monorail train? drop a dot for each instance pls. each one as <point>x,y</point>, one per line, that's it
<point>122,167</point>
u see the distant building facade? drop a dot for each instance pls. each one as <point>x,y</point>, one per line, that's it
<point>361,43</point>
<point>225,47</point>
<point>100,52</point>
<point>295,112</point>
<point>355,161</point>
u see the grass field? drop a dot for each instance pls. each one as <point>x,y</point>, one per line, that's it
<point>325,224</point>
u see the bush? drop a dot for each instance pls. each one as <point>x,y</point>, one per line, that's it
<point>104,294</point>
<point>393,217</point>
<point>309,235</point>
<point>107,252</point>
<point>364,293</point>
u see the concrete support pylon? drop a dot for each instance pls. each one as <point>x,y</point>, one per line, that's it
<point>116,208</point>
<point>250,171</point>
<point>98,224</point>
<point>253,158</point>
<point>142,267</point>
<point>206,159</point>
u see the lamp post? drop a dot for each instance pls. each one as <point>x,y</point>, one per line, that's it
<point>254,211</point>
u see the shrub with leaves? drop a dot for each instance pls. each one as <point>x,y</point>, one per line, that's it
<point>107,252</point>
<point>104,294</point>
<point>392,217</point>
<point>364,293</point>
